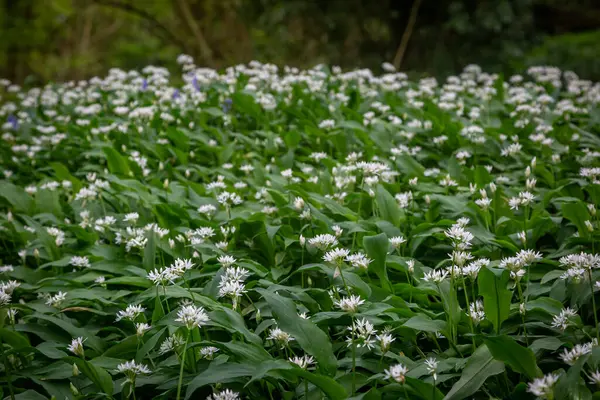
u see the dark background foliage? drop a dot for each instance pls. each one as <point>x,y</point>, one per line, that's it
<point>73,39</point>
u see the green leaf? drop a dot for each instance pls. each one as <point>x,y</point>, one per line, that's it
<point>97,375</point>
<point>117,164</point>
<point>424,390</point>
<point>387,205</point>
<point>15,339</point>
<point>451,307</point>
<point>150,252</point>
<point>149,345</point>
<point>519,358</point>
<point>376,248</point>
<point>16,196</point>
<point>496,295</point>
<point>308,336</point>
<point>577,213</point>
<point>423,323</point>
<point>219,373</point>
<point>570,385</point>
<point>480,366</point>
<point>331,388</point>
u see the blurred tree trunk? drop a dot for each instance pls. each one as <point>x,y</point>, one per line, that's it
<point>183,9</point>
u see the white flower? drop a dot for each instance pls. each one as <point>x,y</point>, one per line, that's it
<point>131,369</point>
<point>397,241</point>
<point>162,277</point>
<point>337,230</point>
<point>349,304</point>
<point>562,320</point>
<point>363,334</point>
<point>141,327</point>
<point>207,209</point>
<point>543,387</point>
<point>336,256</point>
<point>303,362</point>
<point>192,316</point>
<point>570,356</point>
<point>483,203</point>
<point>326,124</point>
<point>56,300</point>
<point>323,242</point>
<point>476,312</point>
<point>396,372</point>
<point>226,260</point>
<point>9,286</point>
<point>385,341</point>
<point>435,276</point>
<point>359,260</point>
<point>208,352</point>
<point>280,337</point>
<point>77,261</point>
<point>595,377</point>
<point>171,343</point>
<point>131,217</point>
<point>131,312</point>
<point>299,203</point>
<point>224,395</point>
<point>432,365</point>
<point>76,346</point>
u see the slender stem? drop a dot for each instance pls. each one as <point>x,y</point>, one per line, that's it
<point>411,286</point>
<point>187,340</point>
<point>305,388</point>
<point>522,316</point>
<point>343,280</point>
<point>166,299</point>
<point>8,374</point>
<point>405,391</point>
<point>362,184</point>
<point>133,388</point>
<point>595,311</point>
<point>353,363</point>
<point>468,312</point>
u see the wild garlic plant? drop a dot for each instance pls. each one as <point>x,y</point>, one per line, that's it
<point>267,232</point>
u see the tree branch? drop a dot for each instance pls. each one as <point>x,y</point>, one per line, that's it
<point>143,14</point>
<point>205,50</point>
<point>412,18</point>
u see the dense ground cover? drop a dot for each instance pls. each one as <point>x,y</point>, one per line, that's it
<point>268,234</point>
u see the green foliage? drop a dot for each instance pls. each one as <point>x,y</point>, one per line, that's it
<point>306,234</point>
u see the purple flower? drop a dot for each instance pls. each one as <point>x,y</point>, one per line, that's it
<point>13,121</point>
<point>227,105</point>
<point>144,84</point>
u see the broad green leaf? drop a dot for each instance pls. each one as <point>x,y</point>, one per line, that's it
<point>496,296</point>
<point>480,366</point>
<point>308,336</point>
<point>150,252</point>
<point>376,248</point>
<point>570,385</point>
<point>117,164</point>
<point>577,213</point>
<point>219,373</point>
<point>425,390</point>
<point>519,358</point>
<point>97,375</point>
<point>387,206</point>
<point>426,324</point>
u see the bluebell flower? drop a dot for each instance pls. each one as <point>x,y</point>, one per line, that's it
<point>227,105</point>
<point>195,84</point>
<point>13,121</point>
<point>144,84</point>
<point>176,94</point>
